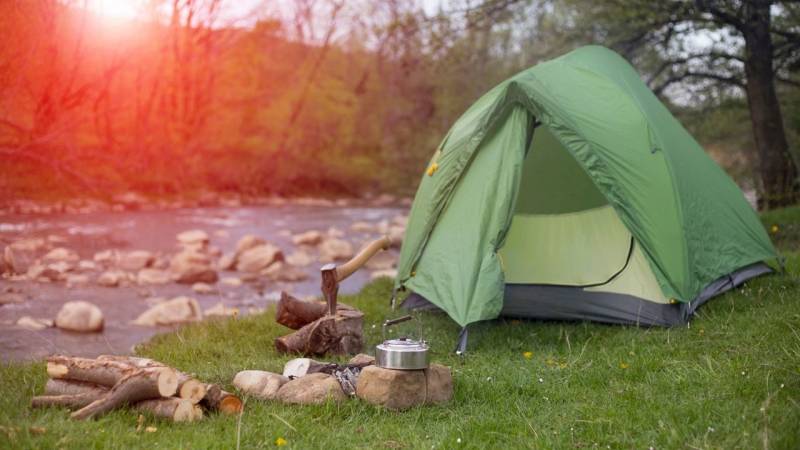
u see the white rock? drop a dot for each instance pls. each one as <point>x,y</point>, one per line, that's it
<point>135,260</point>
<point>247,242</point>
<point>174,311</point>
<point>34,324</point>
<point>61,267</point>
<point>153,276</point>
<point>29,245</point>
<point>258,258</point>
<point>362,227</point>
<point>334,250</point>
<point>284,272</point>
<point>191,267</point>
<point>231,281</point>
<point>220,310</point>
<point>227,262</point>
<point>391,273</point>
<point>105,257</point>
<point>311,237</point>
<point>87,265</point>
<point>77,280</point>
<point>80,316</point>
<point>335,232</point>
<point>193,238</point>
<point>203,288</point>
<point>382,261</point>
<point>61,254</point>
<point>299,258</point>
<point>259,384</point>
<point>396,234</point>
<point>9,262</point>
<point>111,278</point>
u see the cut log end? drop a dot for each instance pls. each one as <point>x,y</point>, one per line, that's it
<point>230,405</point>
<point>55,370</point>
<point>192,390</point>
<point>167,381</point>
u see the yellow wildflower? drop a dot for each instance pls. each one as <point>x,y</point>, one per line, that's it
<point>527,355</point>
<point>280,442</point>
<point>774,229</point>
<point>623,365</point>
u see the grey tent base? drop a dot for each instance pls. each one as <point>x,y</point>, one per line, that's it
<point>574,303</point>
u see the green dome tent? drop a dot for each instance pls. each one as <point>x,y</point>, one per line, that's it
<point>570,192</point>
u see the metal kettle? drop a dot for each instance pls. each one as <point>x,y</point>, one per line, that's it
<point>401,353</point>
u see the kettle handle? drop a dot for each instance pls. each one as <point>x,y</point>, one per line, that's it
<point>389,322</point>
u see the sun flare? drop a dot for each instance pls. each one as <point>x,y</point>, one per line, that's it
<point>119,9</point>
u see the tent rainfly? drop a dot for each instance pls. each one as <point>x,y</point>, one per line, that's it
<point>569,191</point>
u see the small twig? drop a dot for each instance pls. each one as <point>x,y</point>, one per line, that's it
<point>239,425</point>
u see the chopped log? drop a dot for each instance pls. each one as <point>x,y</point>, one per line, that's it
<point>295,313</point>
<point>188,387</point>
<point>339,334</point>
<point>141,384</point>
<point>219,400</point>
<point>71,401</point>
<point>71,387</point>
<point>104,373</point>
<point>176,409</point>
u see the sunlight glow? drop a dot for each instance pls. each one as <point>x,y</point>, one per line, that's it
<point>117,9</point>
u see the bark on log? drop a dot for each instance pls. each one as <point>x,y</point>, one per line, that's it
<point>295,313</point>
<point>218,400</point>
<point>176,409</point>
<point>72,394</point>
<point>102,372</point>
<point>189,388</point>
<point>339,334</point>
<point>142,384</point>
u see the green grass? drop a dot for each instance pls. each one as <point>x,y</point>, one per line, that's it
<point>730,380</point>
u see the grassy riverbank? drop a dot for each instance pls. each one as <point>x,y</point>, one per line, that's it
<point>730,380</point>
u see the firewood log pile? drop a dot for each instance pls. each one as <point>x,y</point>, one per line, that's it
<point>93,387</point>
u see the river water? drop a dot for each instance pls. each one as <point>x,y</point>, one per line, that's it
<point>155,231</point>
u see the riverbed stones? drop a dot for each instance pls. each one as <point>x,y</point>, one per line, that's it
<point>258,258</point>
<point>193,239</point>
<point>8,264</point>
<point>177,310</point>
<point>247,242</point>
<point>11,297</point>
<point>388,273</point>
<point>190,266</point>
<point>203,288</point>
<point>153,276</point>
<point>34,324</point>
<point>61,254</point>
<point>77,280</point>
<point>285,272</point>
<point>220,310</point>
<point>403,389</point>
<point>111,278</point>
<point>311,237</point>
<point>80,316</point>
<point>334,249</point>
<point>29,245</point>
<point>313,389</point>
<point>299,258</point>
<point>382,261</point>
<point>135,260</point>
<point>260,384</point>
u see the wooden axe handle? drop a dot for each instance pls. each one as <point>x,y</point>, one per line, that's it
<point>347,269</point>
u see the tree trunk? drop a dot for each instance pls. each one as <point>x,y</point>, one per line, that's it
<point>776,166</point>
